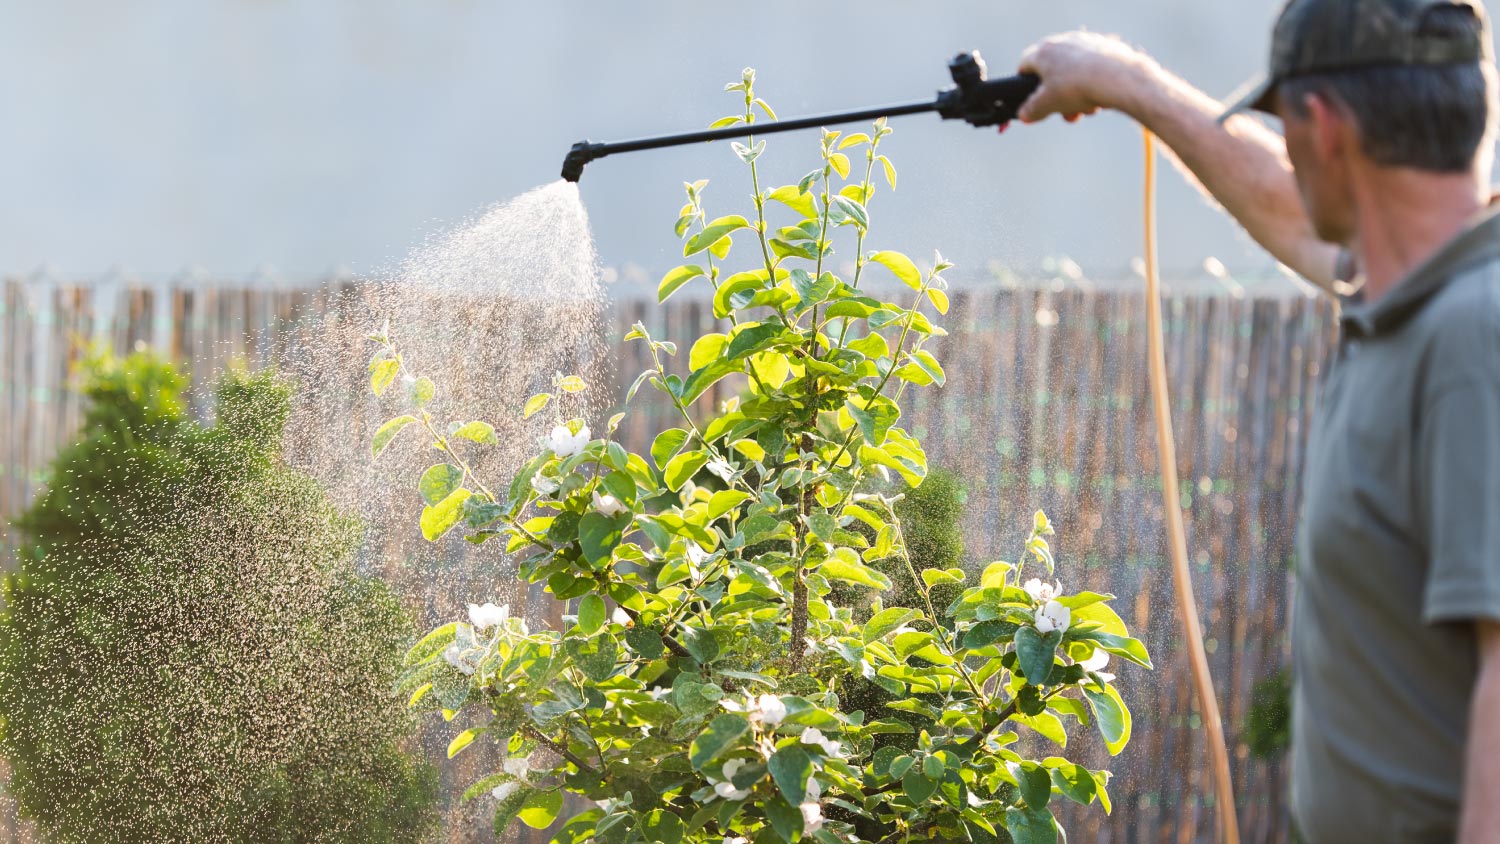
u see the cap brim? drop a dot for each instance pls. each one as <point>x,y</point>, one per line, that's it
<point>1258,94</point>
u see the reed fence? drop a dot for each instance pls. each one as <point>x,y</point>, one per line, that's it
<point>1045,407</point>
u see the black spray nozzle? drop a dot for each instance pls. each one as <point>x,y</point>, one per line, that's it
<point>582,153</point>
<point>975,99</point>
<point>981,101</point>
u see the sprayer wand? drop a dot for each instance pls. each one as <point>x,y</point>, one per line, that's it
<point>974,99</point>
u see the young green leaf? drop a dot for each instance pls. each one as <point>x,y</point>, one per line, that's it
<point>722,734</point>
<point>675,279</point>
<point>388,432</point>
<point>536,404</point>
<point>902,266</point>
<point>713,233</point>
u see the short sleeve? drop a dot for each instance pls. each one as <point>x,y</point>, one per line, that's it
<point>1458,472</point>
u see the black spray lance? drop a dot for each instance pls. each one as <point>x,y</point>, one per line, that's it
<point>995,102</point>
<point>975,99</point>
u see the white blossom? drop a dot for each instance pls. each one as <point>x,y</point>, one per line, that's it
<point>722,469</point>
<point>458,658</point>
<point>767,709</point>
<point>564,443</point>
<point>812,817</point>
<point>488,615</point>
<point>814,736</point>
<point>736,839</point>
<point>1095,665</point>
<point>545,485</point>
<point>1054,616</point>
<point>620,617</point>
<point>518,766</point>
<point>1042,592</point>
<point>608,505</point>
<point>726,789</point>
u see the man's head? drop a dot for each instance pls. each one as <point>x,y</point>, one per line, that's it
<point>1366,85</point>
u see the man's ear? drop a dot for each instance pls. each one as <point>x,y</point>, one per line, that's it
<point>1332,131</point>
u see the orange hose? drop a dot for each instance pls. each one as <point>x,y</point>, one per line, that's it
<point>1182,578</point>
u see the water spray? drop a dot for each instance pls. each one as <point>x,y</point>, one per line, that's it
<point>975,99</point>
<point>981,101</point>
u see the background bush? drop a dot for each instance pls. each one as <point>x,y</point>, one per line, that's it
<point>187,653</point>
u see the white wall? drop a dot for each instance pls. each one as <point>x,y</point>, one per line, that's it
<point>232,133</point>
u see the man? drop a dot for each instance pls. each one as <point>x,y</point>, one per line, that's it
<point>1388,109</point>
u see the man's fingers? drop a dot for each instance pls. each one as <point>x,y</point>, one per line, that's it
<point>1030,112</point>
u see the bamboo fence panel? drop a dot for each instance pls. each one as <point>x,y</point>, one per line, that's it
<point>1044,408</point>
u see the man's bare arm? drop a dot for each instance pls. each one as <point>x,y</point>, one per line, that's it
<point>1481,808</point>
<point>1241,164</point>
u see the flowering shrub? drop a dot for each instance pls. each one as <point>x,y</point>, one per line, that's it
<point>700,690</point>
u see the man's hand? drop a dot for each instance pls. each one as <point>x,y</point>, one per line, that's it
<point>1081,73</point>
<point>1240,163</point>
<point>1481,811</point>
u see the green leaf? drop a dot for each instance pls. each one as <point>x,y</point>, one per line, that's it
<point>737,290</point>
<point>786,819</point>
<point>675,279</point>
<point>645,641</point>
<point>902,266</point>
<point>666,444</point>
<point>886,621</point>
<point>790,767</point>
<point>986,633</point>
<point>595,656</point>
<point>663,827</point>
<point>598,535</point>
<point>683,467</point>
<point>852,210</point>
<point>890,170</point>
<point>1030,825</point>
<point>535,404</point>
<point>439,518</point>
<point>797,200</point>
<point>387,432</point>
<point>754,337</point>
<point>765,108</point>
<point>875,419</point>
<point>939,299</point>
<point>724,501</point>
<point>420,391</point>
<point>1124,646</point>
<point>461,741</point>
<point>1035,785</point>
<point>917,786</point>
<point>714,232</point>
<point>1112,716</point>
<point>1035,653</point>
<point>720,736</point>
<point>590,614</point>
<point>439,482</point>
<point>479,432</point>
<point>1075,782</point>
<point>845,565</point>
<point>541,808</point>
<point>382,373</point>
<point>929,365</point>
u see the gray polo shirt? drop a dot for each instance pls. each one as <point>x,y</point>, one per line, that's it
<point>1399,552</point>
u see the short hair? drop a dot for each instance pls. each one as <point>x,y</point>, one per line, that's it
<point>1428,117</point>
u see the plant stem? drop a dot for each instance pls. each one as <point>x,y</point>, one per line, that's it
<point>561,750</point>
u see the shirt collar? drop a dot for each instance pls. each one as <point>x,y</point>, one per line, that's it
<point>1479,241</point>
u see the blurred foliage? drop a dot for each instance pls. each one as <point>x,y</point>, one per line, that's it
<point>187,653</point>
<point>1268,730</point>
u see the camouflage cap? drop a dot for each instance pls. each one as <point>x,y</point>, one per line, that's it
<point>1321,36</point>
